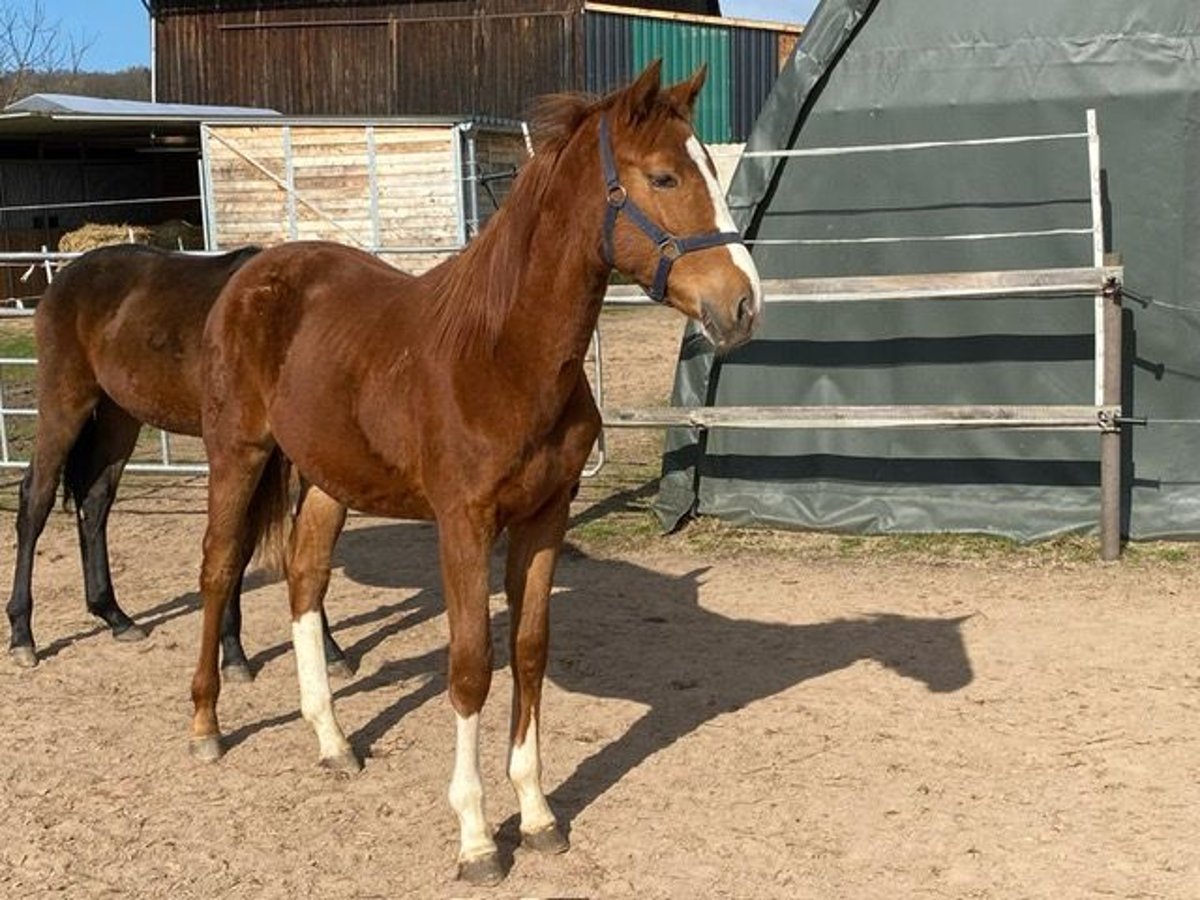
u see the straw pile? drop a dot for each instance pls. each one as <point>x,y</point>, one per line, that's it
<point>173,235</point>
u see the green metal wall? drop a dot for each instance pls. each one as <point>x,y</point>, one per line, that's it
<point>684,47</point>
<point>878,72</point>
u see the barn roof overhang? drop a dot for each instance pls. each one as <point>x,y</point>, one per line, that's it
<point>70,116</point>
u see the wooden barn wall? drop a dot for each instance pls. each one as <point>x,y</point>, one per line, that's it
<point>417,58</point>
<point>417,186</point>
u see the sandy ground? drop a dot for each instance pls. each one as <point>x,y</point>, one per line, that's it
<point>803,725</point>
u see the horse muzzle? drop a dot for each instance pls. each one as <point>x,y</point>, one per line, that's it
<point>730,324</point>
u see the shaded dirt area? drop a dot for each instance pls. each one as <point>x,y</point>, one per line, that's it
<point>825,722</point>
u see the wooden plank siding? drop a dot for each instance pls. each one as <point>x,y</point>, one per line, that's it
<point>418,58</point>
<point>327,165</point>
<point>460,58</point>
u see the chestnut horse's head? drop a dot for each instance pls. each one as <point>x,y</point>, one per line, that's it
<point>667,224</point>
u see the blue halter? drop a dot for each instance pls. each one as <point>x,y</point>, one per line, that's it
<point>670,247</point>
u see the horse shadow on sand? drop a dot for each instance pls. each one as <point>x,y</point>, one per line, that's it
<point>618,631</point>
<point>621,631</point>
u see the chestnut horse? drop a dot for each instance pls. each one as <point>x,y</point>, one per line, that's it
<point>118,341</point>
<point>457,396</point>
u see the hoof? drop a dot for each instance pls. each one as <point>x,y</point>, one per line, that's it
<point>340,668</point>
<point>24,656</point>
<point>236,673</point>
<point>131,634</point>
<point>484,871</point>
<point>206,749</point>
<point>346,762</point>
<point>547,840</point>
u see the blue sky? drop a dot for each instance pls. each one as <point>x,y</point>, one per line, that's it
<point>119,34</point>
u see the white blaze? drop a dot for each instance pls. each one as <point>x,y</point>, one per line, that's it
<point>724,221</point>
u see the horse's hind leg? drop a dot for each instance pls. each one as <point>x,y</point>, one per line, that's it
<point>59,423</point>
<point>93,472</point>
<point>336,662</point>
<point>235,667</point>
<point>234,477</point>
<point>318,522</point>
<point>532,554</point>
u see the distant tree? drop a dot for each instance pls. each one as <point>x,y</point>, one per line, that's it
<point>31,42</point>
<point>132,83</point>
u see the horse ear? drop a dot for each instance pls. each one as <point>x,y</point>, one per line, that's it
<point>641,95</point>
<point>683,95</point>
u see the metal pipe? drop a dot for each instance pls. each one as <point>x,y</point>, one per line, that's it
<point>75,204</point>
<point>470,179</point>
<point>373,187</point>
<point>851,149</point>
<point>289,177</point>
<point>1110,438</point>
<point>153,57</point>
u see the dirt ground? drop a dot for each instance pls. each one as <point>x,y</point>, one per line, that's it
<point>816,723</point>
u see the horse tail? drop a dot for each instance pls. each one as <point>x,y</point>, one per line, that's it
<point>268,518</point>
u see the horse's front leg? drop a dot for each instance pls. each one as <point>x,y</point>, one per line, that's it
<point>464,547</point>
<point>532,554</point>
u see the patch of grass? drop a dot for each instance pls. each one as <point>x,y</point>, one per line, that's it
<point>621,531</point>
<point>16,339</point>
<point>632,527</point>
<point>1170,553</point>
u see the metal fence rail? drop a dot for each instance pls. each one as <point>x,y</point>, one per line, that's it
<point>1100,280</point>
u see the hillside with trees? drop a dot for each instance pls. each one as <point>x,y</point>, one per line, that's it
<point>129,84</point>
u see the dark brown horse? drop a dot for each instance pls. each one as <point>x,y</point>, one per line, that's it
<point>458,396</point>
<point>118,341</point>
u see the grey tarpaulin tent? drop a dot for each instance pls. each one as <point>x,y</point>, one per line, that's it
<point>894,71</point>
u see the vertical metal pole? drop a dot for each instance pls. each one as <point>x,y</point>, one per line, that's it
<point>1110,439</point>
<point>373,189</point>
<point>471,181</point>
<point>1108,363</point>
<point>456,163</point>
<point>598,390</point>
<point>208,203</point>
<point>3,426</point>
<point>1093,141</point>
<point>153,60</point>
<point>289,175</point>
<point>204,226</point>
<point>164,442</point>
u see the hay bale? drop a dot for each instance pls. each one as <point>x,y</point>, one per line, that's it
<point>92,235</point>
<point>171,235</point>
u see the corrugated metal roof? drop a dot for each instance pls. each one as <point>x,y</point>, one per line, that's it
<point>74,105</point>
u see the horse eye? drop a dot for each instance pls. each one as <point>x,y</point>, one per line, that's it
<point>663,181</point>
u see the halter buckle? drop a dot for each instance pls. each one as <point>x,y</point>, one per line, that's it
<point>669,248</point>
<point>617,195</point>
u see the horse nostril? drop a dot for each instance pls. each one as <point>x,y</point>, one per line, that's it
<point>745,310</point>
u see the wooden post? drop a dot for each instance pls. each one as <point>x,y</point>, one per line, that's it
<point>1108,362</point>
